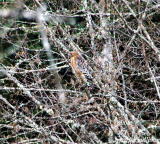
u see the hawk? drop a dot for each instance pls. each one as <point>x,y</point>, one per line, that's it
<point>80,68</point>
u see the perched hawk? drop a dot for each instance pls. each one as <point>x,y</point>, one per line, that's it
<point>80,68</point>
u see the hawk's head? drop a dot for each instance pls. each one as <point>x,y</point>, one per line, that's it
<point>74,53</point>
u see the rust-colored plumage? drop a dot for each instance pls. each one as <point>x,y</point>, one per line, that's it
<point>80,68</point>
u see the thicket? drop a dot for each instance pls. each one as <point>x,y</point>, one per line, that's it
<point>42,101</point>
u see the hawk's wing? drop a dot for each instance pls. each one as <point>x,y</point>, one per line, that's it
<point>82,65</point>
